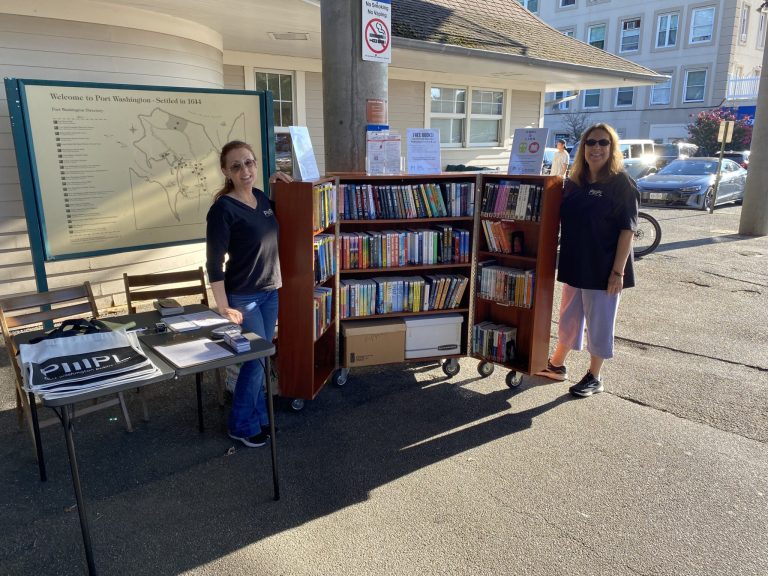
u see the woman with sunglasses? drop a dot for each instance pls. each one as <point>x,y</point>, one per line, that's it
<point>598,216</point>
<point>242,225</point>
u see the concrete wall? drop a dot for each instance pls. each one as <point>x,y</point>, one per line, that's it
<point>52,49</point>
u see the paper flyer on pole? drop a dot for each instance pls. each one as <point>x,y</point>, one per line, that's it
<point>528,146</point>
<point>383,152</point>
<point>423,151</point>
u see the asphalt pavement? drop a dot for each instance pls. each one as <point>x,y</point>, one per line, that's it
<point>404,471</point>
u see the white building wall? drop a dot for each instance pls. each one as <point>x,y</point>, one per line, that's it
<point>50,49</point>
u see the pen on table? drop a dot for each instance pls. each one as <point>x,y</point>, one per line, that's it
<point>137,330</point>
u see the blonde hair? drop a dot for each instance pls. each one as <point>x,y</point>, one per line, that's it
<point>580,169</point>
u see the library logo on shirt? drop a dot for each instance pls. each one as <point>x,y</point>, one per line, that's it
<point>598,193</point>
<point>268,213</point>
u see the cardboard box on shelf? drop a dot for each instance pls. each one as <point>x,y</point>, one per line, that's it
<point>372,342</point>
<point>438,335</point>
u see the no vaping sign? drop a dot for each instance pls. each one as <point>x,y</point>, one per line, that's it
<point>377,31</point>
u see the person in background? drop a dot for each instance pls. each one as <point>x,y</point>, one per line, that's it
<point>560,160</point>
<point>242,225</point>
<point>598,216</point>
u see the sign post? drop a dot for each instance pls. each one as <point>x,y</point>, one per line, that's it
<point>724,134</point>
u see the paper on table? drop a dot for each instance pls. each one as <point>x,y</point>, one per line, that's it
<point>205,318</point>
<point>193,352</point>
<point>180,324</point>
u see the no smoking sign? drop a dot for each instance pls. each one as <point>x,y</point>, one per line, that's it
<point>377,21</point>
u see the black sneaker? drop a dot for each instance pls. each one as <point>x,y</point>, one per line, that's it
<point>256,441</point>
<point>267,433</point>
<point>587,386</point>
<point>553,372</point>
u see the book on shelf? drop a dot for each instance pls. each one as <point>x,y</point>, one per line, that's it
<point>512,200</point>
<point>496,342</point>
<point>324,246</point>
<point>323,304</point>
<point>324,205</point>
<point>365,201</point>
<point>511,286</point>
<point>394,294</point>
<point>396,248</point>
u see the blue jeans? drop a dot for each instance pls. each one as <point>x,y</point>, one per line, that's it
<point>249,406</point>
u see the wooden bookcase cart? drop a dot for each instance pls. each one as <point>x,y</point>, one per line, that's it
<point>304,362</point>
<point>539,254</point>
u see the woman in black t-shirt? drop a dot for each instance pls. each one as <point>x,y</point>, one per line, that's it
<point>242,225</point>
<point>598,216</point>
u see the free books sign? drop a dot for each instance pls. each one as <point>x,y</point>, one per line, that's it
<point>377,31</point>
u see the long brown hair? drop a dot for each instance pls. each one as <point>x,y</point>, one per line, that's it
<point>580,169</point>
<point>226,149</point>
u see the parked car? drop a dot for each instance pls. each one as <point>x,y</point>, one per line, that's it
<point>665,153</point>
<point>690,182</point>
<point>639,167</point>
<point>638,149</point>
<point>741,158</point>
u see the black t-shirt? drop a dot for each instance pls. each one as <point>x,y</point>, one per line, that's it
<point>249,237</point>
<point>591,218</point>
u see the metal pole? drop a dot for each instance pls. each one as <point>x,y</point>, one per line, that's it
<point>717,177</point>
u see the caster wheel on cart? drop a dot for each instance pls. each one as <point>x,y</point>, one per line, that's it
<point>297,404</point>
<point>514,379</point>
<point>451,367</point>
<point>485,369</point>
<point>340,377</point>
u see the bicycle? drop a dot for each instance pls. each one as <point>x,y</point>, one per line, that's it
<point>647,235</point>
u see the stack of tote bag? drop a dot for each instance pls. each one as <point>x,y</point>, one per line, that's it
<point>80,356</point>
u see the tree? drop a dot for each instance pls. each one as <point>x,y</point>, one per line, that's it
<point>575,123</point>
<point>703,131</point>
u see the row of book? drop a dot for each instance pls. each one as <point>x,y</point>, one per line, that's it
<point>513,200</point>
<point>512,286</point>
<point>496,342</point>
<point>443,244</point>
<point>323,310</point>
<point>501,236</point>
<point>323,205</point>
<point>388,201</point>
<point>324,246</point>
<point>386,295</point>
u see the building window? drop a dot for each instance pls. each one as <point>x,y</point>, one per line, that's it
<point>566,3</point>
<point>761,31</point>
<point>596,36</point>
<point>702,25</point>
<point>570,32</point>
<point>531,5</point>
<point>281,86</point>
<point>449,114</point>
<point>661,94</point>
<point>592,98</point>
<point>630,35</point>
<point>744,23</point>
<point>485,120</point>
<point>561,106</point>
<point>666,37</point>
<point>625,96</point>
<point>695,82</point>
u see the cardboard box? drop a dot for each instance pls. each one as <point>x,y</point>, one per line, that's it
<point>371,342</point>
<point>438,335</point>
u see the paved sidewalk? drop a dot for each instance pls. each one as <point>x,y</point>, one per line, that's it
<point>405,472</point>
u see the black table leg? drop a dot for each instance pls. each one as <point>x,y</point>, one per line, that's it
<point>271,412</point>
<point>68,428</point>
<point>36,434</point>
<point>199,386</point>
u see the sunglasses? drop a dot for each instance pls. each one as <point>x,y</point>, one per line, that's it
<point>236,167</point>
<point>603,142</point>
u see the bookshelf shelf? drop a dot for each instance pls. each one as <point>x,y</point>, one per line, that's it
<point>539,251</point>
<point>407,314</point>
<point>398,269</point>
<point>408,221</point>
